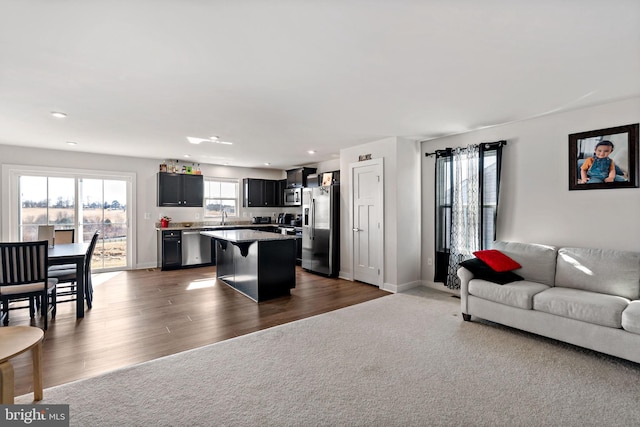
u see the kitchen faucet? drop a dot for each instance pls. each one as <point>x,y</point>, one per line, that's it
<point>224,215</point>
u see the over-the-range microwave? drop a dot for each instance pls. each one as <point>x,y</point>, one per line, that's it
<point>293,196</point>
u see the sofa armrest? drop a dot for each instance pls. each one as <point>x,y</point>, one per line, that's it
<point>465,277</point>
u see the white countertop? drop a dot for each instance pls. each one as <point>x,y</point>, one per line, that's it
<point>179,226</point>
<point>239,236</point>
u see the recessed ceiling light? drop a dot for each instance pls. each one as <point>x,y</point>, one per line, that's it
<point>311,152</point>
<point>58,114</point>
<point>187,155</point>
<point>71,143</point>
<point>193,140</point>
<point>267,163</point>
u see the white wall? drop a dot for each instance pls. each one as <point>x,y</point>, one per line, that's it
<point>401,210</point>
<point>535,202</point>
<point>145,170</point>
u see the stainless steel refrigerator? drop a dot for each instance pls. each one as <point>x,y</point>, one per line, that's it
<point>321,229</point>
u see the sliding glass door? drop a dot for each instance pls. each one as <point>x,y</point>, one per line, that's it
<point>83,202</point>
<point>104,208</point>
<point>46,201</point>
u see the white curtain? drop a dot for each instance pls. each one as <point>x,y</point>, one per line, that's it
<point>465,210</point>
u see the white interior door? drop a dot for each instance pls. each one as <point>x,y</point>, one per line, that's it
<point>367,221</point>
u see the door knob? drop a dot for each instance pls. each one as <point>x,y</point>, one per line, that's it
<point>356,229</point>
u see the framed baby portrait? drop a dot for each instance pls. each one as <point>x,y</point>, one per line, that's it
<point>604,158</point>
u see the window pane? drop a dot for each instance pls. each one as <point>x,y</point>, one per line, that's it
<point>220,194</point>
<point>228,190</point>
<point>214,189</point>
<point>104,209</point>
<point>490,178</point>
<point>92,203</point>
<point>33,206</point>
<point>230,207</point>
<point>62,201</point>
<point>212,208</point>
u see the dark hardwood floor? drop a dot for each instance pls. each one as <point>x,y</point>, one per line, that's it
<point>141,315</point>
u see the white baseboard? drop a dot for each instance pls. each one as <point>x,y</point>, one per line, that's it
<point>345,275</point>
<point>389,287</point>
<point>440,287</point>
<point>145,266</point>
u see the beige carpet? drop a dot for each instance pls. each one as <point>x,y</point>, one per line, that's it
<point>400,360</point>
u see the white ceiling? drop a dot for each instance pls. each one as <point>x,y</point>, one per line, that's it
<point>281,77</point>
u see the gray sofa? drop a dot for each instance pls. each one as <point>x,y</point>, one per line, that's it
<point>586,297</point>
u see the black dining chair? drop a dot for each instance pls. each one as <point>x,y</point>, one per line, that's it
<point>68,275</point>
<point>24,276</point>
<point>61,237</point>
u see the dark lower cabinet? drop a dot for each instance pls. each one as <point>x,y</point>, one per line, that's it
<point>171,249</point>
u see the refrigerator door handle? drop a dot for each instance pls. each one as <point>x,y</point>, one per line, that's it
<point>356,229</point>
<point>313,219</point>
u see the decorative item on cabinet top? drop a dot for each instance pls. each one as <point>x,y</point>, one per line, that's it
<point>172,166</point>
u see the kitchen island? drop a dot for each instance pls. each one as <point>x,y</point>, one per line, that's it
<point>258,264</point>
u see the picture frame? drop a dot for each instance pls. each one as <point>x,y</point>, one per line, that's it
<point>617,144</point>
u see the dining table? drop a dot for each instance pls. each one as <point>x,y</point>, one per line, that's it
<point>72,253</point>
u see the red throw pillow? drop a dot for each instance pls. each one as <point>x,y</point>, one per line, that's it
<point>498,261</point>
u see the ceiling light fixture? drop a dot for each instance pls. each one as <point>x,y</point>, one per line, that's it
<point>187,155</point>
<point>193,140</point>
<point>71,143</point>
<point>311,152</point>
<point>267,163</point>
<point>58,114</point>
<point>196,140</point>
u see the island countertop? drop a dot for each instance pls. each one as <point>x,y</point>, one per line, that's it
<point>241,236</point>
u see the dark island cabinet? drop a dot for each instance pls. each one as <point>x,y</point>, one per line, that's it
<point>184,190</point>
<point>260,193</point>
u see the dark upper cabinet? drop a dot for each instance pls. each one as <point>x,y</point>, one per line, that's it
<point>280,186</point>
<point>176,189</point>
<point>253,192</point>
<point>260,193</point>
<point>270,192</point>
<point>297,178</point>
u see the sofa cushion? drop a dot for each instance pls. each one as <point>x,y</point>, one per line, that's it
<point>631,317</point>
<point>481,270</point>
<point>590,307</point>
<point>496,260</point>
<point>516,294</point>
<point>599,270</point>
<point>538,261</point>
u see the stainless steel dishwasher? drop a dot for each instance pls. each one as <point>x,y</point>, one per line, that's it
<point>196,248</point>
